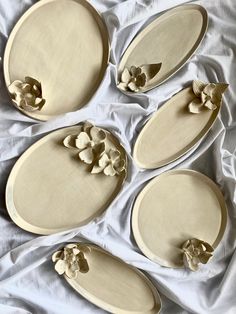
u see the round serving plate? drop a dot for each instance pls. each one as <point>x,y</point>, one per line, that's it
<point>115,286</point>
<point>55,42</point>
<point>172,131</point>
<point>174,207</point>
<point>170,40</point>
<point>50,189</point>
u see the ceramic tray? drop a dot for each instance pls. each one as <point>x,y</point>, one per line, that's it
<point>173,208</point>
<point>173,130</point>
<point>110,283</point>
<point>55,42</point>
<point>166,44</point>
<point>51,187</point>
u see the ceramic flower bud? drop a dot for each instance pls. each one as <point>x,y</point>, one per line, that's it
<point>27,95</point>
<point>71,259</point>
<point>196,252</point>
<point>135,78</point>
<point>208,96</point>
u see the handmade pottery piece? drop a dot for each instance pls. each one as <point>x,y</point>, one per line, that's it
<point>178,125</point>
<point>53,188</point>
<point>162,48</point>
<point>54,43</point>
<point>179,219</point>
<point>106,280</point>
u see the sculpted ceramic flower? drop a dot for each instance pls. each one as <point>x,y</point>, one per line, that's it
<point>70,260</point>
<point>90,142</point>
<point>110,163</point>
<point>208,96</point>
<point>133,79</point>
<point>27,95</point>
<point>195,252</point>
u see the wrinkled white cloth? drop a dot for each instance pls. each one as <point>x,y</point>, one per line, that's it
<point>28,282</point>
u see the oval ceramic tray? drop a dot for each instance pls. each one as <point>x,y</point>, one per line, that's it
<point>54,42</point>
<point>113,285</point>
<point>174,207</point>
<point>50,189</point>
<point>173,130</point>
<point>169,41</point>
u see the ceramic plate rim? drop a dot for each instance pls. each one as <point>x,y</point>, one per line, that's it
<point>135,210</point>
<point>106,44</point>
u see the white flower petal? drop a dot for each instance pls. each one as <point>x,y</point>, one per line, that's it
<point>82,140</point>
<point>125,76</point>
<point>198,87</point>
<point>56,256</point>
<point>15,87</point>
<point>87,126</point>
<point>60,267</point>
<point>195,106</point>
<point>114,154</point>
<point>86,155</point>
<point>69,141</point>
<point>208,89</point>
<point>97,135</point>
<point>109,171</point>
<point>208,104</point>
<point>96,169</point>
<point>103,161</point>
<point>132,86</point>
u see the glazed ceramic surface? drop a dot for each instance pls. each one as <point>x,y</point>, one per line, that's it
<point>115,286</point>
<point>54,42</point>
<point>50,189</point>
<point>170,40</point>
<point>174,207</point>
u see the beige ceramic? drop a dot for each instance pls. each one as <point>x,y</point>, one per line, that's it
<point>64,45</point>
<point>173,208</point>
<point>115,286</point>
<point>170,40</point>
<point>50,189</point>
<point>173,130</point>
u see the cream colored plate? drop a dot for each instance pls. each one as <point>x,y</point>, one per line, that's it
<point>49,189</point>
<point>174,207</point>
<point>116,286</point>
<point>171,39</point>
<point>63,44</point>
<point>172,131</point>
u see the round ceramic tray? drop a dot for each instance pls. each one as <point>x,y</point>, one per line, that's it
<point>54,42</point>
<point>170,40</point>
<point>50,189</point>
<point>172,131</point>
<point>173,208</point>
<point>115,286</point>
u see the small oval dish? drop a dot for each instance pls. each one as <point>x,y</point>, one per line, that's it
<point>178,125</point>
<point>179,219</point>
<point>162,48</point>
<point>50,67</point>
<point>106,280</point>
<point>65,179</point>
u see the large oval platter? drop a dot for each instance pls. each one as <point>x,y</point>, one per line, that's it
<point>51,189</point>
<point>174,207</point>
<point>54,42</point>
<point>174,130</point>
<point>169,41</point>
<point>113,285</point>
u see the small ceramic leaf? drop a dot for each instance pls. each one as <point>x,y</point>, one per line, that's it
<point>198,87</point>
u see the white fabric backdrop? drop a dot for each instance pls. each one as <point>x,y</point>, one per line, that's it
<point>28,283</point>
